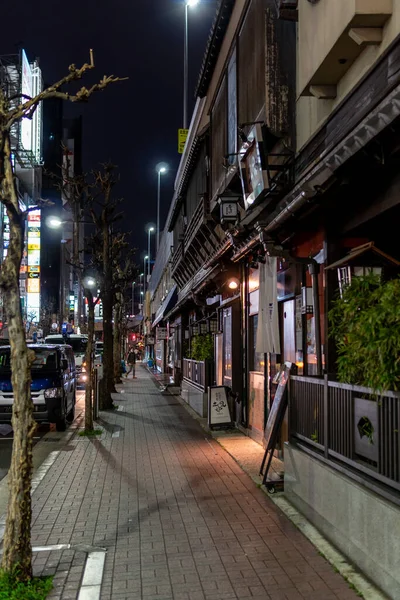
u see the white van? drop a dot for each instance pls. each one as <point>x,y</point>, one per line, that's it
<point>78,344</point>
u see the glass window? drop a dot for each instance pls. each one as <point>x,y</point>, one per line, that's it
<point>5,360</point>
<point>257,359</point>
<point>254,279</point>
<point>299,336</point>
<point>227,346</point>
<point>178,346</point>
<point>78,344</point>
<point>45,360</point>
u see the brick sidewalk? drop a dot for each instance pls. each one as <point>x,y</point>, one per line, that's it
<point>178,516</point>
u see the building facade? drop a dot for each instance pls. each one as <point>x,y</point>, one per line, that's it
<point>19,76</point>
<point>287,189</point>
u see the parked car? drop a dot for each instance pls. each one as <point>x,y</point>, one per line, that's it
<point>78,343</point>
<point>53,386</point>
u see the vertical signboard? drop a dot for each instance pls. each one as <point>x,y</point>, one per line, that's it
<point>26,88</point>
<point>33,279</point>
<point>37,88</point>
<point>182,137</point>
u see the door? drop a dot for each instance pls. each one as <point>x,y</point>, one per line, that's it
<point>227,351</point>
<point>289,339</point>
<point>289,351</point>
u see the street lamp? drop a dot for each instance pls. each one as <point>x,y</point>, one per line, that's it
<point>133,298</point>
<point>141,288</point>
<point>161,169</point>
<point>144,280</point>
<point>188,3</point>
<point>54,222</point>
<point>149,231</point>
<point>89,282</point>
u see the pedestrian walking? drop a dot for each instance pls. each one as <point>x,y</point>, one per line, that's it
<point>131,361</point>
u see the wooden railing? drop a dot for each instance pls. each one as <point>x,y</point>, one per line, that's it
<point>348,425</point>
<point>198,218</point>
<point>177,257</point>
<point>197,372</point>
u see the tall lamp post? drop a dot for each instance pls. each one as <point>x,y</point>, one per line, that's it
<point>55,222</point>
<point>141,289</point>
<point>133,298</point>
<point>161,169</point>
<point>188,3</point>
<point>149,232</point>
<point>144,281</point>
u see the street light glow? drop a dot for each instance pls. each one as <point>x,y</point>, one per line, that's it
<point>146,258</point>
<point>150,229</point>
<point>53,222</point>
<point>192,2</point>
<point>89,282</point>
<point>161,168</point>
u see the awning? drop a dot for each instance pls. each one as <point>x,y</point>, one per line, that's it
<point>135,321</point>
<point>359,251</point>
<point>166,306</point>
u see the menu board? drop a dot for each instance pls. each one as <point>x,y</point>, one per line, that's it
<point>218,406</point>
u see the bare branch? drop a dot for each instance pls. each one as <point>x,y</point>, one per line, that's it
<point>54,91</point>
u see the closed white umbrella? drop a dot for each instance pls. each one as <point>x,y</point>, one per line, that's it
<point>268,322</point>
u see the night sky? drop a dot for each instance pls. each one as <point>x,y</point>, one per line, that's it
<point>133,123</point>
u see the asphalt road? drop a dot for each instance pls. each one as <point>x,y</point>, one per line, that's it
<point>6,437</point>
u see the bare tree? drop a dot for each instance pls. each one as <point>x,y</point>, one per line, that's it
<point>91,302</point>
<point>104,214</point>
<point>17,551</point>
<point>123,275</point>
<point>73,188</point>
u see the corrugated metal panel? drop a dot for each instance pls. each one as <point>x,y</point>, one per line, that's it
<point>251,63</point>
<point>217,34</point>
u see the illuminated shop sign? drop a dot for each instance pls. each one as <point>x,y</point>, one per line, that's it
<point>33,268</point>
<point>26,124</point>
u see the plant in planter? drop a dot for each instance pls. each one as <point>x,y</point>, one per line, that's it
<point>365,324</point>
<point>186,350</point>
<point>203,347</point>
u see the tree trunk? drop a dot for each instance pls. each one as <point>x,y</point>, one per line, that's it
<point>89,366</point>
<point>76,261</point>
<point>17,551</point>
<point>107,386</point>
<point>117,338</point>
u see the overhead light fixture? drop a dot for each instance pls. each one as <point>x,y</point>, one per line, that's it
<point>233,283</point>
<point>229,207</point>
<point>54,222</point>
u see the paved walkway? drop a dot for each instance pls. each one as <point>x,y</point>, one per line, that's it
<point>179,518</point>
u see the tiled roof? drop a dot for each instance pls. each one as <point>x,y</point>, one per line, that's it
<point>217,33</point>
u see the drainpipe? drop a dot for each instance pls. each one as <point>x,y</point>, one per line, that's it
<point>289,210</point>
<point>313,268</point>
<point>245,343</point>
